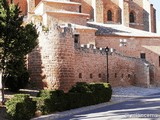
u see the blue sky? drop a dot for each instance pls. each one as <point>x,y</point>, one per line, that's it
<point>156,4</point>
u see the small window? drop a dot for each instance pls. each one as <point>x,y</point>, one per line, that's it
<point>134,76</point>
<point>132,17</point>
<point>76,38</point>
<point>122,75</point>
<point>80,75</point>
<point>99,75</point>
<point>129,75</point>
<point>80,9</point>
<point>115,75</point>
<point>91,76</point>
<point>142,55</point>
<point>109,15</point>
<point>159,60</point>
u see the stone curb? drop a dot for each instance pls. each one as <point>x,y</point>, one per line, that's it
<point>77,110</point>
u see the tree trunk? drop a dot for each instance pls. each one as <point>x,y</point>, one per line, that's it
<point>2,100</point>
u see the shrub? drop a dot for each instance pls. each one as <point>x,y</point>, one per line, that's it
<point>21,107</point>
<point>17,76</point>
<point>44,93</point>
<point>17,81</point>
<point>76,100</point>
<point>102,91</point>
<point>42,96</point>
<point>82,94</point>
<point>56,102</point>
<point>51,101</point>
<point>80,87</point>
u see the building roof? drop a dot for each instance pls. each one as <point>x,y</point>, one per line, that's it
<point>120,30</point>
<point>62,2</point>
<point>80,27</point>
<point>67,13</point>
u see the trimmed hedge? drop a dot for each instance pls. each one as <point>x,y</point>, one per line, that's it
<point>21,107</point>
<point>82,94</point>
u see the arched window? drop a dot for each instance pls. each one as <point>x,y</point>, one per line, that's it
<point>109,15</point>
<point>132,17</point>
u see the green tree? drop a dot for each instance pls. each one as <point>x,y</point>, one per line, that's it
<point>16,39</point>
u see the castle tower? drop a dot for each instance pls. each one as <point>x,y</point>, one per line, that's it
<point>54,67</point>
<point>51,64</point>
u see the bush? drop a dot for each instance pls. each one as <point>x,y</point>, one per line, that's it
<point>102,91</point>
<point>57,101</point>
<point>51,101</point>
<point>17,76</point>
<point>82,94</point>
<point>16,82</point>
<point>21,107</point>
<point>42,96</point>
<point>76,100</point>
<point>44,93</point>
<point>80,87</point>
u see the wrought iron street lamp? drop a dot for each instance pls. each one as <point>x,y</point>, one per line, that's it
<point>108,50</point>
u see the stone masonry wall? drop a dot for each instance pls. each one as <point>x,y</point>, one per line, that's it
<point>112,5</point>
<point>86,7</point>
<point>153,19</point>
<point>57,64</point>
<point>137,7</point>
<point>126,13</point>
<point>90,66</point>
<point>62,18</point>
<point>54,68</point>
<point>61,7</point>
<point>99,11</point>
<point>86,36</point>
<point>134,47</point>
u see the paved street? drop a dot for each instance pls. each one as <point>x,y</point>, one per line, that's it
<point>144,108</point>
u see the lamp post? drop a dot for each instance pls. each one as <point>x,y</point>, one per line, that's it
<point>108,50</point>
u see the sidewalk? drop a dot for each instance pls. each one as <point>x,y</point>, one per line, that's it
<point>120,94</point>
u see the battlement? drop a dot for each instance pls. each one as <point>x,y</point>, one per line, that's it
<point>90,48</point>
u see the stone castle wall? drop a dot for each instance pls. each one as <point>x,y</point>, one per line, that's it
<point>54,68</point>
<point>58,64</point>
<point>134,47</point>
<point>123,71</point>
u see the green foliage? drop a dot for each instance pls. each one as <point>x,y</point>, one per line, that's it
<point>18,76</point>
<point>101,91</point>
<point>21,107</point>
<point>46,29</point>
<point>40,99</point>
<point>16,41</point>
<point>82,94</point>
<point>80,87</point>
<point>76,100</point>
<point>44,93</point>
<point>51,101</point>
